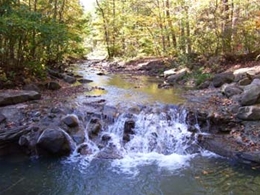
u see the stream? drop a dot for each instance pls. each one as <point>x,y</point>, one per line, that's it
<point>161,156</point>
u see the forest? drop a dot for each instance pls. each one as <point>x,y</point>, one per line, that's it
<point>36,34</point>
<point>177,27</point>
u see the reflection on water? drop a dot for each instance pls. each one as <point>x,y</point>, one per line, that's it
<point>147,86</point>
<point>204,176</point>
<point>121,89</point>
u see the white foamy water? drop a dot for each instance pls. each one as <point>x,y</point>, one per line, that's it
<point>159,138</point>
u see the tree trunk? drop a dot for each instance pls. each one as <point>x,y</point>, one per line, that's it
<point>172,33</point>
<point>226,29</point>
<point>105,28</point>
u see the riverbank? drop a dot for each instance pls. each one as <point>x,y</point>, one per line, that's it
<point>213,116</point>
<point>224,106</point>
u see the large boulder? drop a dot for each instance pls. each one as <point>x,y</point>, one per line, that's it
<point>222,78</point>
<point>249,113</point>
<point>9,140</point>
<point>228,147</point>
<point>251,94</point>
<point>250,73</point>
<point>17,96</point>
<point>230,90</point>
<point>54,142</point>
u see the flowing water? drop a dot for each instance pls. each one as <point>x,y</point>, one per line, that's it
<point>161,158</point>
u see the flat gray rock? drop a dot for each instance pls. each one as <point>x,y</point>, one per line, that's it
<point>11,97</point>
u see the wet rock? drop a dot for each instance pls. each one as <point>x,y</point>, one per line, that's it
<point>2,118</point>
<point>17,96</point>
<point>94,128</point>
<point>69,79</point>
<point>129,126</point>
<point>251,94</point>
<point>110,152</point>
<point>29,141</point>
<point>85,81</point>
<point>54,141</point>
<point>249,113</point>
<point>55,74</point>
<point>109,113</point>
<point>135,110</point>
<point>222,78</point>
<point>101,73</point>
<point>71,120</point>
<point>218,144</point>
<point>9,140</point>
<point>52,85</point>
<point>230,90</point>
<point>106,137</point>
<point>87,149</point>
<point>128,129</point>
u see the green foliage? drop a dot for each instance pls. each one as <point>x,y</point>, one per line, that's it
<point>177,27</point>
<point>34,34</point>
<point>201,77</point>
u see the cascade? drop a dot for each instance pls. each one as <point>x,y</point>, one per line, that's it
<point>157,134</point>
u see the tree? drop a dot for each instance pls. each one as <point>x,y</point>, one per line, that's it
<point>39,33</point>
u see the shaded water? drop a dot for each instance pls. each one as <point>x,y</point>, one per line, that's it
<point>161,158</point>
<point>203,175</point>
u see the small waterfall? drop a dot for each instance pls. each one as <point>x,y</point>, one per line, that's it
<point>160,131</point>
<point>154,135</point>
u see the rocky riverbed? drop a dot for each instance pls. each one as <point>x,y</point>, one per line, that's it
<point>43,120</point>
<point>226,107</point>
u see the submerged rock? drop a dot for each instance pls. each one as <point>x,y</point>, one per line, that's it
<point>110,152</point>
